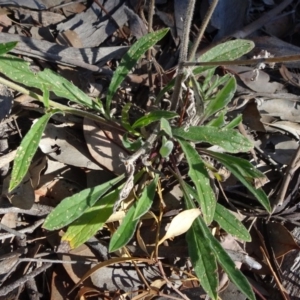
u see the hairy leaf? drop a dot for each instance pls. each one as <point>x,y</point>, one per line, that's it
<point>145,201</point>
<point>19,71</point>
<point>125,231</point>
<point>130,59</point>
<point>229,139</point>
<point>153,116</point>
<point>222,98</point>
<point>27,150</point>
<point>234,274</point>
<point>200,177</point>
<point>245,172</point>
<point>74,206</point>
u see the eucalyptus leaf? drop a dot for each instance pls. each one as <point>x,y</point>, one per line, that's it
<point>27,149</point>
<point>229,139</point>
<point>200,178</point>
<point>130,59</point>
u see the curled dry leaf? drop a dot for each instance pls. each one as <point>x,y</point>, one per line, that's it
<point>181,223</point>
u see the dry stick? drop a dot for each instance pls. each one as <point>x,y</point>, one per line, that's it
<point>37,210</point>
<point>7,289</point>
<point>293,166</point>
<point>182,54</point>
<point>149,54</point>
<point>261,21</point>
<point>278,59</point>
<point>204,24</point>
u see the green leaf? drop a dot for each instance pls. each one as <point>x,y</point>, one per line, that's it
<point>91,221</point>
<point>219,121</point>
<point>203,260</point>
<point>229,139</point>
<point>153,116</point>
<point>18,70</point>
<point>200,177</point>
<point>45,96</point>
<point>125,231</point>
<point>165,126</point>
<point>226,219</point>
<point>125,119</point>
<point>130,59</point>
<point>166,149</point>
<point>74,206</point>
<point>27,150</point>
<point>235,122</point>
<point>245,172</point>
<point>145,201</point>
<point>230,50</point>
<point>133,146</point>
<point>4,48</point>
<point>222,98</point>
<point>231,224</point>
<point>234,274</point>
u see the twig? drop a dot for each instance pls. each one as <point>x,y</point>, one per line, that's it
<point>278,59</point>
<point>169,282</point>
<point>6,289</point>
<point>202,29</point>
<point>21,232</point>
<point>36,210</point>
<point>11,231</point>
<point>292,167</point>
<point>261,21</point>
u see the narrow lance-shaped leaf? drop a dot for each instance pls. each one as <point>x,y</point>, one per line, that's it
<point>93,218</point>
<point>74,206</point>
<point>91,221</point>
<point>125,231</point>
<point>200,177</point>
<point>221,100</point>
<point>125,119</point>
<point>130,59</point>
<point>234,274</point>
<point>19,71</point>
<point>203,259</point>
<point>229,139</point>
<point>154,116</point>
<point>245,172</point>
<point>4,48</point>
<point>226,219</point>
<point>27,149</point>
<point>230,50</point>
<point>145,201</point>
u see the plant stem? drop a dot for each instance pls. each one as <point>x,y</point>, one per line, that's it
<point>202,29</point>
<point>183,54</point>
<point>63,108</point>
